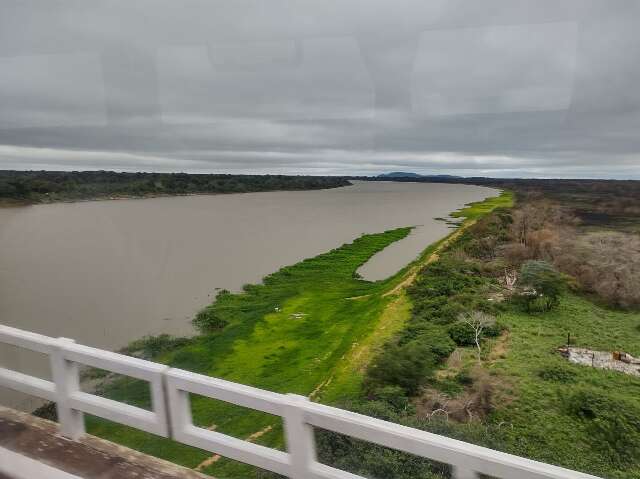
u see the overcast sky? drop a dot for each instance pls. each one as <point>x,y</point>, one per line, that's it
<point>479,87</point>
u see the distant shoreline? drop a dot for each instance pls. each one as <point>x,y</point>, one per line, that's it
<point>15,203</point>
<point>22,188</point>
<point>19,203</point>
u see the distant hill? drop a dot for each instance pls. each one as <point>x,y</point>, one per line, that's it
<point>399,174</point>
<point>403,174</point>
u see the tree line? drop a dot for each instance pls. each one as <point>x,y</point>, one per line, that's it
<point>49,186</point>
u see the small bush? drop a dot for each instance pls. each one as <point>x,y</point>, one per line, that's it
<point>558,374</point>
<point>392,395</point>
<point>482,248</point>
<point>149,347</point>
<point>47,411</point>
<point>408,365</point>
<point>543,284</point>
<point>464,378</point>
<point>463,334</point>
<point>370,460</point>
<point>208,321</point>
<point>613,424</point>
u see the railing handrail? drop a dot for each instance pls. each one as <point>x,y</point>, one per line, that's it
<point>170,416</point>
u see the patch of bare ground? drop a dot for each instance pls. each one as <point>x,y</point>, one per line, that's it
<point>352,298</point>
<point>452,367</point>
<point>500,347</point>
<point>474,403</point>
<point>482,390</point>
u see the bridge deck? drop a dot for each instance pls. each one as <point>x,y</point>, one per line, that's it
<point>91,457</point>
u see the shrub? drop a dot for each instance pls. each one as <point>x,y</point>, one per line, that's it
<point>207,321</point>
<point>613,424</point>
<point>409,365</point>
<point>541,282</point>
<point>149,347</point>
<point>463,334</point>
<point>393,395</point>
<point>47,411</point>
<point>370,460</point>
<point>516,253</point>
<point>483,248</point>
<point>557,373</point>
<point>464,378</point>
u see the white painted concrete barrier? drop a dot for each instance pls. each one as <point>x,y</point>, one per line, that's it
<point>170,416</point>
<point>17,466</point>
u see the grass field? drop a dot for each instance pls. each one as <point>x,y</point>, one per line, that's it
<point>310,329</point>
<point>542,387</point>
<point>538,395</point>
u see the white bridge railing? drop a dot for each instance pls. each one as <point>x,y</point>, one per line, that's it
<point>170,416</point>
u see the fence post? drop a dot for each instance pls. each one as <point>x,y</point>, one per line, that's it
<point>67,380</point>
<point>299,436</point>
<point>161,391</point>
<point>178,407</point>
<point>461,473</point>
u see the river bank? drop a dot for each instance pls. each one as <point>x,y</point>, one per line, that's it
<point>45,187</point>
<point>310,328</point>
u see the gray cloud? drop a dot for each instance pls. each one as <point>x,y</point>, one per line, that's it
<point>500,87</point>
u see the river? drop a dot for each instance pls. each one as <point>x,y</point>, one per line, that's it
<point>107,272</point>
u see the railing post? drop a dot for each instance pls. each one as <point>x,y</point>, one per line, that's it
<point>178,408</point>
<point>299,436</point>
<point>67,380</point>
<point>461,473</point>
<point>161,391</point>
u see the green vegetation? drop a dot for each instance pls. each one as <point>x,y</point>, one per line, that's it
<point>547,402</point>
<point>18,187</point>
<point>543,285</point>
<point>525,399</point>
<point>475,211</point>
<point>520,395</point>
<point>150,347</point>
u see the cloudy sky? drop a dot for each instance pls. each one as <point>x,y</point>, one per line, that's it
<point>542,88</point>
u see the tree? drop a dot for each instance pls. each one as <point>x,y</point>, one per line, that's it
<point>478,322</point>
<point>541,281</point>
